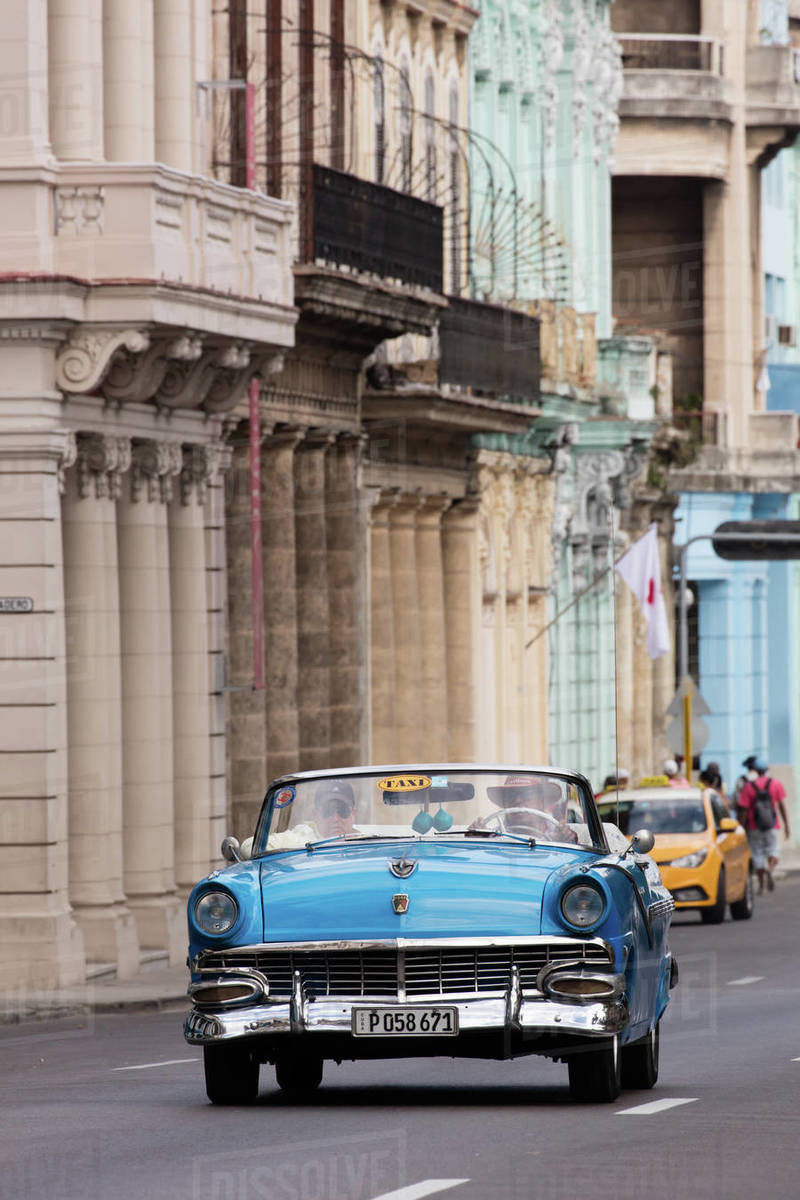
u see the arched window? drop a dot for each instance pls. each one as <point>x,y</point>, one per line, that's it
<point>379,117</point>
<point>405,123</point>
<point>455,215</point>
<point>430,136</point>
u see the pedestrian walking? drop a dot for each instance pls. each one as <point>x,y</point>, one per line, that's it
<point>749,773</point>
<point>760,809</point>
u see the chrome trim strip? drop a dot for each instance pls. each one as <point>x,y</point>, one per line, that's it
<point>409,944</point>
<point>401,976</point>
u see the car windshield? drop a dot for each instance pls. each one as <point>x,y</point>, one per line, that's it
<point>659,816</point>
<point>427,803</point>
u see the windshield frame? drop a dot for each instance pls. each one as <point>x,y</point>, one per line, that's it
<point>594,822</point>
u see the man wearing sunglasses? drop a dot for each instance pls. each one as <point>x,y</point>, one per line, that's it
<point>334,816</point>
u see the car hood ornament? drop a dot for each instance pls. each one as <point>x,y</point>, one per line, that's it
<point>401,868</point>
<point>400,903</point>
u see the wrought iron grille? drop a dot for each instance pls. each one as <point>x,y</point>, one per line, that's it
<point>372,228</point>
<point>489,348</point>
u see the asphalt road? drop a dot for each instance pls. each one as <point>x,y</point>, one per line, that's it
<point>114,1107</point>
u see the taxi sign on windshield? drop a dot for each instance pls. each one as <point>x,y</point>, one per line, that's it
<point>404,783</point>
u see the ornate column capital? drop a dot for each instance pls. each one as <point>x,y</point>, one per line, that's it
<point>155,463</point>
<point>102,460</point>
<point>199,466</point>
<point>68,459</point>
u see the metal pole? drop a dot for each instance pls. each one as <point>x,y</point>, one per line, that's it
<point>683,624</point>
<point>254,405</point>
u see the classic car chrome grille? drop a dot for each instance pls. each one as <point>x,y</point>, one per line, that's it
<point>426,971</point>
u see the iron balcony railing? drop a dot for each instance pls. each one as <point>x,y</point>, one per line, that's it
<point>368,227</point>
<point>672,52</point>
<point>490,349</point>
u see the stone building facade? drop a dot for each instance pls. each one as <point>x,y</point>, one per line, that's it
<point>710,97</point>
<point>138,298</point>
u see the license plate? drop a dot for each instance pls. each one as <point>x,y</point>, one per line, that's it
<point>405,1022</point>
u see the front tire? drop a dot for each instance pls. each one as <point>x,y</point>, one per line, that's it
<point>742,910</point>
<point>298,1076</point>
<point>716,914</point>
<point>231,1074</point>
<point>595,1076</point>
<point>640,1061</point>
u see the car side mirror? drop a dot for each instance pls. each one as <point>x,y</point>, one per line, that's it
<point>642,841</point>
<point>728,824</point>
<point>230,850</point>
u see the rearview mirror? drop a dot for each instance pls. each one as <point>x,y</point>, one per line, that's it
<point>728,824</point>
<point>642,841</point>
<point>230,850</point>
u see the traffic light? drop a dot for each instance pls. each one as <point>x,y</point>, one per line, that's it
<point>747,540</point>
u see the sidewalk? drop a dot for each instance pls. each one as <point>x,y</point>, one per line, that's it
<point>158,989</point>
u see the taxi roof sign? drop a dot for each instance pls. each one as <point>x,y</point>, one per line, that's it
<point>654,781</point>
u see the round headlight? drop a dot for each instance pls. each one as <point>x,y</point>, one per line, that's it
<point>215,912</point>
<point>582,905</point>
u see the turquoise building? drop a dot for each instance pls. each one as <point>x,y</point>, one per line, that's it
<point>546,81</point>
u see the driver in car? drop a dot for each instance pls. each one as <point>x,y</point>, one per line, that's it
<point>528,807</point>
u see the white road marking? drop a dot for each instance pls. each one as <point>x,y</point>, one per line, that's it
<point>654,1106</point>
<point>743,982</point>
<point>415,1191</point>
<point>169,1062</point>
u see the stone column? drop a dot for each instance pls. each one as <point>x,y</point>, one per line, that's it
<point>346,600</point>
<point>94,702</point>
<point>432,630</point>
<point>190,681</point>
<point>248,765</point>
<point>147,730</point>
<point>313,611</point>
<point>462,602</point>
<point>76,75</point>
<point>280,601</point>
<point>382,653</point>
<point>174,83</point>
<point>128,80</point>
<point>40,944</point>
<point>405,603</point>
<point>24,133</point>
<point>216,604</point>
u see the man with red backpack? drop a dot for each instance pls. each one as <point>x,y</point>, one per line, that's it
<point>758,805</point>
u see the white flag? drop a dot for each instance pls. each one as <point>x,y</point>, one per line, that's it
<point>641,570</point>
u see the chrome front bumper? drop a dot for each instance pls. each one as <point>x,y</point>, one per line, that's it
<point>529,1016</point>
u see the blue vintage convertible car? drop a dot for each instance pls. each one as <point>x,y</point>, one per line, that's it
<point>456,910</point>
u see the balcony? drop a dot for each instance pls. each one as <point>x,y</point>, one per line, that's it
<point>376,230</point>
<point>489,349</point>
<point>675,106</point>
<point>486,379</point>
<point>674,75</point>
<point>773,90</point>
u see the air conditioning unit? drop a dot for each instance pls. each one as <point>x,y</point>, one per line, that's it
<point>771,329</point>
<point>787,335</point>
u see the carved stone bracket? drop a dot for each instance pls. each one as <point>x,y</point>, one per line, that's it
<point>236,368</point>
<point>156,464</point>
<point>87,356</point>
<point>102,460</point>
<point>135,378</point>
<point>68,458</point>
<point>200,465</point>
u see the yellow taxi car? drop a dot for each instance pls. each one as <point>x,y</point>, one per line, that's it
<point>701,851</point>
